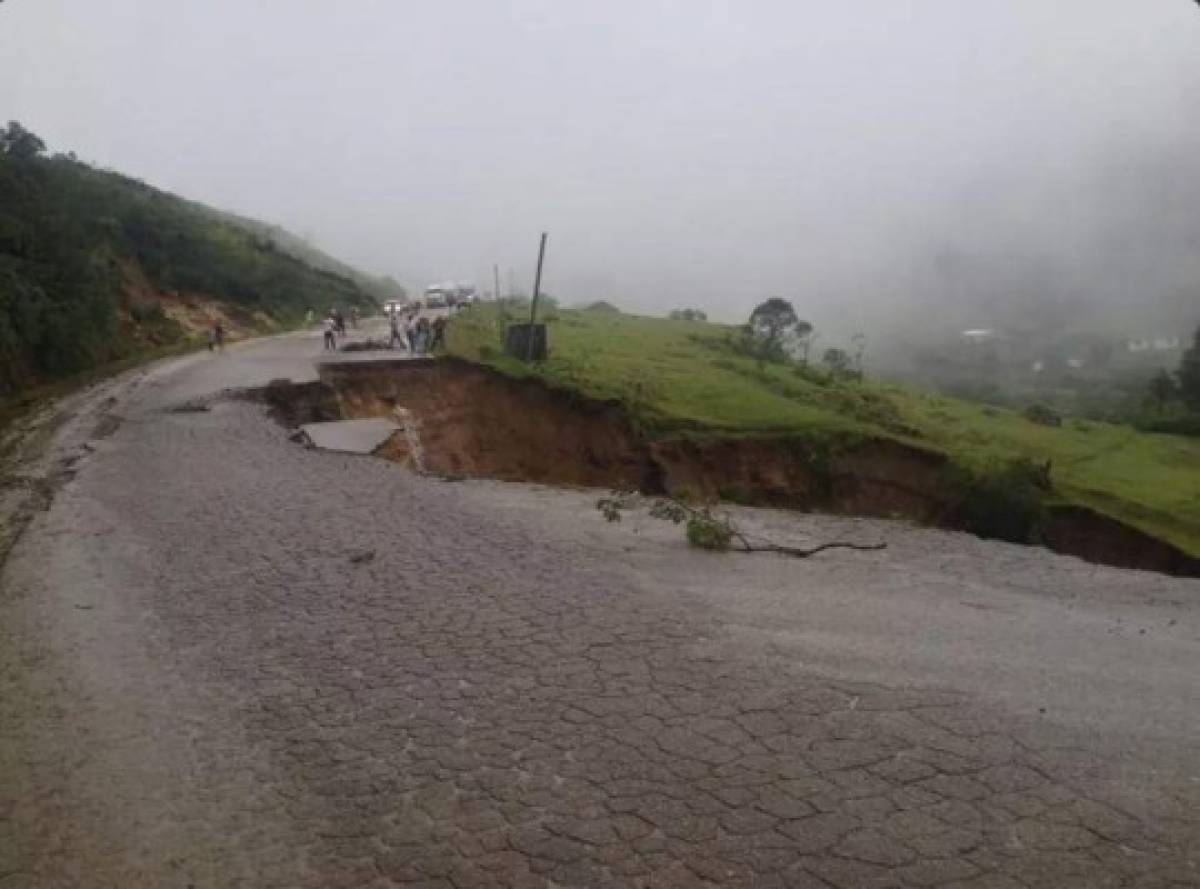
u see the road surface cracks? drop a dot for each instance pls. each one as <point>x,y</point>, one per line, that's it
<point>231,661</point>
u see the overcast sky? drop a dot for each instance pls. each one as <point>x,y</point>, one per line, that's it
<point>679,153</point>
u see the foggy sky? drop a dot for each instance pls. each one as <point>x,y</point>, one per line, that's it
<point>866,160</point>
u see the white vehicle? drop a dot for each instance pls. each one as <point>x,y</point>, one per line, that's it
<point>392,306</point>
<point>439,296</point>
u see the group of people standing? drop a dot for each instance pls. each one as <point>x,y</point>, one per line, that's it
<point>416,333</point>
<point>335,325</point>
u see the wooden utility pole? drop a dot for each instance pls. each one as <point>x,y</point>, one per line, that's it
<point>496,279</point>
<point>537,287</point>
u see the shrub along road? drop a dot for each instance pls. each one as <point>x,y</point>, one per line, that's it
<point>230,661</point>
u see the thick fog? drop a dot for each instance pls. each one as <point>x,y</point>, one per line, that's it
<point>936,162</point>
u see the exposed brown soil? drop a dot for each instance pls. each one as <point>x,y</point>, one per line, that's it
<point>878,478</point>
<point>475,423</point>
<point>195,312</point>
<point>1097,538</point>
<point>468,421</point>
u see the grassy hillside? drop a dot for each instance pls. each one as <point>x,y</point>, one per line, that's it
<point>97,268</point>
<point>678,376</point>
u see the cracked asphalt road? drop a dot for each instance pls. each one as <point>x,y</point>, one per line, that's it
<point>230,661</point>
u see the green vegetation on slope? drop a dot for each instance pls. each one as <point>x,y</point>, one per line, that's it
<point>381,288</point>
<point>87,258</point>
<point>680,376</point>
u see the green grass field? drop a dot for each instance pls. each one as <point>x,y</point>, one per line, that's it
<point>680,376</point>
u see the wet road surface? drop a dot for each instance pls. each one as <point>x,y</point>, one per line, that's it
<point>228,660</point>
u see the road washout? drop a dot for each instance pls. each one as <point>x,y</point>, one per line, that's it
<point>462,420</point>
<point>230,660</point>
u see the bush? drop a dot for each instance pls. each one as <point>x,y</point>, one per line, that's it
<point>1042,415</point>
<point>708,532</point>
<point>1185,424</point>
<point>764,350</point>
<point>147,313</point>
<point>1005,500</point>
<point>606,308</point>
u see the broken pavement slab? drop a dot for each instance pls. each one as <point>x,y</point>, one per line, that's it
<point>350,436</point>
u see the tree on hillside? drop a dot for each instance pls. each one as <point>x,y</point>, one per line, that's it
<point>79,245</point>
<point>804,340</point>
<point>1189,374</point>
<point>839,362</point>
<point>1162,389</point>
<point>772,319</point>
<point>775,329</point>
<point>859,342</point>
<point>17,142</point>
<point>603,307</point>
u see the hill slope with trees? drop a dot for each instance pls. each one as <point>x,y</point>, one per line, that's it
<point>96,267</point>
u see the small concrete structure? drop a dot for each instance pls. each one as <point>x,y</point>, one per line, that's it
<point>350,436</point>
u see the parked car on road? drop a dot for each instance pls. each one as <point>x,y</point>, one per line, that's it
<point>441,296</point>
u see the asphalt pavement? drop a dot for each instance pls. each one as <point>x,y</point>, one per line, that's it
<point>229,660</point>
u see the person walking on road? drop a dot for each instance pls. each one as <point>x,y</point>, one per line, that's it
<point>216,339</point>
<point>438,333</point>
<point>410,332</point>
<point>330,334</point>
<point>397,336</point>
<point>423,335</point>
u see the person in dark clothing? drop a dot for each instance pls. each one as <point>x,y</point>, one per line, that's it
<point>218,336</point>
<point>410,331</point>
<point>423,334</point>
<point>438,333</point>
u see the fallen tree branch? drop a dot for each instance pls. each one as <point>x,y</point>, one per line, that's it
<point>805,553</point>
<point>714,532</point>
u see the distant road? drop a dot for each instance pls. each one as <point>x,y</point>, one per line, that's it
<point>227,660</point>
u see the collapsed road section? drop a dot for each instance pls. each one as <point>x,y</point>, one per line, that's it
<point>456,419</point>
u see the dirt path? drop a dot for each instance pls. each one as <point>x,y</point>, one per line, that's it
<point>229,661</point>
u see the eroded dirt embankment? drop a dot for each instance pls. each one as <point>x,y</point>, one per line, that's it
<point>472,422</point>
<point>464,420</point>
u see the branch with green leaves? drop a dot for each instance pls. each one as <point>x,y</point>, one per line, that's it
<point>709,530</point>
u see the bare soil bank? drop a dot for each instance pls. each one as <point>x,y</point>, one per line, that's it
<point>464,420</point>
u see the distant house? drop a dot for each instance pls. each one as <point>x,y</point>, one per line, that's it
<point>979,335</point>
<point>1154,344</point>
